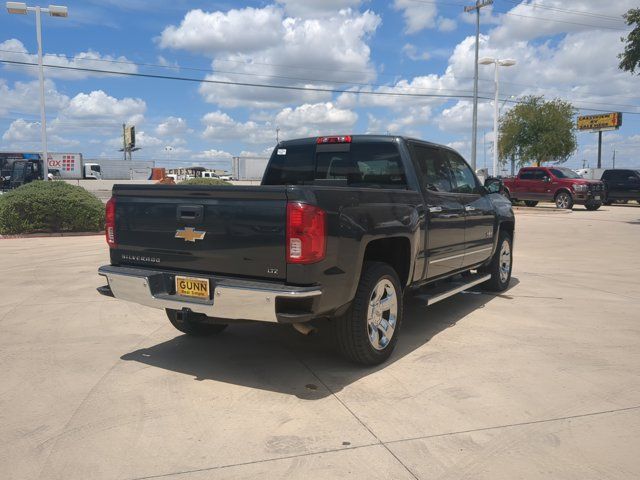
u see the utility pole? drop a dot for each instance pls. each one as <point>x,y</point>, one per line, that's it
<point>599,148</point>
<point>277,135</point>
<point>474,130</point>
<point>614,158</point>
<point>124,143</point>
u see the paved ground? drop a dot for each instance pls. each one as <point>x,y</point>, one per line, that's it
<point>541,382</point>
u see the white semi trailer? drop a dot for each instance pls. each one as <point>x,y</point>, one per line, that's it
<point>71,166</point>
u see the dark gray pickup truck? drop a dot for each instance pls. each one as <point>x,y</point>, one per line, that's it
<point>341,228</point>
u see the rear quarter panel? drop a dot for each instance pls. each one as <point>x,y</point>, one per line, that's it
<point>355,217</point>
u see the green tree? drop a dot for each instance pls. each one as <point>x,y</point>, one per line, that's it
<point>630,58</point>
<point>537,131</point>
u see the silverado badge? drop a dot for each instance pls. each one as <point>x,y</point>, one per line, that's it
<point>189,234</point>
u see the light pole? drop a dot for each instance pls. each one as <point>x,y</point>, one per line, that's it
<point>497,63</point>
<point>21,8</point>
<point>474,123</point>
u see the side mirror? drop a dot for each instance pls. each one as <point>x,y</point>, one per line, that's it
<point>632,179</point>
<point>494,185</point>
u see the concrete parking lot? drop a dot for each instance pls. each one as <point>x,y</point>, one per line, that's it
<point>542,381</point>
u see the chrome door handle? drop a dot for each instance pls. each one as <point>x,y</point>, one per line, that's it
<point>435,209</point>
<point>469,208</point>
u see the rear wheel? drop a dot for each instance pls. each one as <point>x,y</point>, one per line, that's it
<point>592,206</point>
<point>367,333</point>
<point>564,200</point>
<point>500,265</point>
<point>187,323</point>
<point>530,203</point>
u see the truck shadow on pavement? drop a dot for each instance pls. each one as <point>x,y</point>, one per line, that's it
<point>277,358</point>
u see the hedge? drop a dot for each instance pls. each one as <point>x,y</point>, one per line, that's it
<point>51,206</point>
<point>204,181</point>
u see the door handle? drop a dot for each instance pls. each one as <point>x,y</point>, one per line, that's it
<point>435,209</point>
<point>469,208</point>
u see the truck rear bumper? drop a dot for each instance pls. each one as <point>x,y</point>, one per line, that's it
<point>232,299</point>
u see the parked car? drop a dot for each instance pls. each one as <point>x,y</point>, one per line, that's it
<point>622,185</point>
<point>340,228</point>
<point>555,184</point>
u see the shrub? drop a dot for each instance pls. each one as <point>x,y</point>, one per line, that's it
<point>52,206</point>
<point>204,181</point>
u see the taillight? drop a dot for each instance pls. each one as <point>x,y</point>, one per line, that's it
<point>306,233</point>
<point>339,139</point>
<point>110,222</point>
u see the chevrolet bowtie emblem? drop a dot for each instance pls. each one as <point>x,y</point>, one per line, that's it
<point>188,234</point>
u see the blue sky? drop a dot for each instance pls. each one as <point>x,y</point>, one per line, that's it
<point>564,49</point>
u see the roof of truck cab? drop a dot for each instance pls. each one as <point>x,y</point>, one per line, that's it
<point>358,139</point>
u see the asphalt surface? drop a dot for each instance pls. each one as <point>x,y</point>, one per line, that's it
<point>540,382</point>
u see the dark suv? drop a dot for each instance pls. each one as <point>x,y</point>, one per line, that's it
<point>622,185</point>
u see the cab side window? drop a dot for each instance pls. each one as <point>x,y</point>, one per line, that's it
<point>539,175</point>
<point>432,169</point>
<point>463,178</point>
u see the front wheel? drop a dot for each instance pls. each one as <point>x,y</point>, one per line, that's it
<point>530,203</point>
<point>564,201</point>
<point>182,322</point>
<point>500,265</point>
<point>367,333</point>
<point>592,206</point>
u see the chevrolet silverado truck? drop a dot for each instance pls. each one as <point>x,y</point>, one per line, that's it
<point>340,228</point>
<point>554,184</point>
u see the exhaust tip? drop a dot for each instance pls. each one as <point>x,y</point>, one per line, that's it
<point>304,328</point>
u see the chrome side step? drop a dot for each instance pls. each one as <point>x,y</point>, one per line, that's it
<point>447,289</point>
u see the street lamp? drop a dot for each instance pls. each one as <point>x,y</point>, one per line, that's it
<point>498,63</point>
<point>21,8</point>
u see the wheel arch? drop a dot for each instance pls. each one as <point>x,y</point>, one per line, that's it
<point>394,251</point>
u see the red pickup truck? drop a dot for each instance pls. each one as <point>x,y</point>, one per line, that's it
<point>554,184</point>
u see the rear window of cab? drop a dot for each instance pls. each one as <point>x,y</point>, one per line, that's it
<point>373,164</point>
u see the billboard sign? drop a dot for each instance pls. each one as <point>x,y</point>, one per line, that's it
<point>130,137</point>
<point>603,121</point>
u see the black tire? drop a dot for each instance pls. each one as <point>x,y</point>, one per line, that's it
<point>592,207</point>
<point>564,200</point>
<point>194,328</point>
<point>530,203</point>
<point>352,329</point>
<point>498,282</point>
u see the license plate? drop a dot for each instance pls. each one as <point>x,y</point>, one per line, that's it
<point>597,197</point>
<point>192,287</point>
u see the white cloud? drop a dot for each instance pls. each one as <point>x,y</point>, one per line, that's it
<point>22,131</point>
<point>412,52</point>
<point>417,15</point>
<point>315,117</point>
<point>302,121</point>
<point>24,97</point>
<point>447,24</point>
<point>14,50</point>
<point>214,154</point>
<point>22,134</point>
<point>315,8</point>
<point>331,49</point>
<point>98,105</point>
<point>172,126</point>
<point>238,30</point>
<point>526,23</point>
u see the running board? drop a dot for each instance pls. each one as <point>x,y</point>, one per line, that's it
<point>448,289</point>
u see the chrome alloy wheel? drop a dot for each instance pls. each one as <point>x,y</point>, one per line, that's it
<point>382,314</point>
<point>563,200</point>
<point>505,261</point>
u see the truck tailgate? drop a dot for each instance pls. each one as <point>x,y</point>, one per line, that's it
<point>244,229</point>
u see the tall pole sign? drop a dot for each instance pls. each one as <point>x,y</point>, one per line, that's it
<point>600,123</point>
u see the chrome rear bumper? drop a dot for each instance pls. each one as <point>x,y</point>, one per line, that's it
<point>232,299</point>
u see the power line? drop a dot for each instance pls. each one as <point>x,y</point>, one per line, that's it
<point>282,87</point>
<point>546,19</point>
<point>565,10</point>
